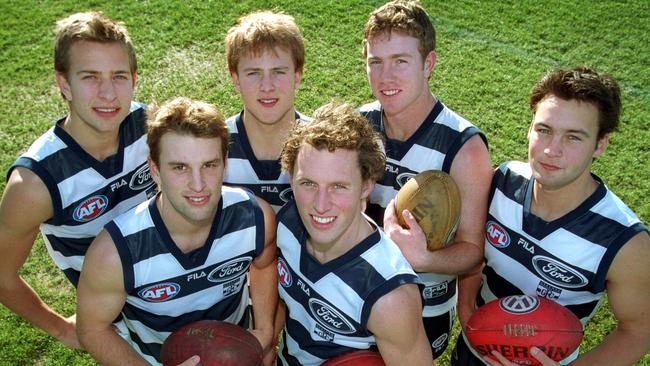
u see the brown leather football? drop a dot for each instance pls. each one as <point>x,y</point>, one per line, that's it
<point>433,198</point>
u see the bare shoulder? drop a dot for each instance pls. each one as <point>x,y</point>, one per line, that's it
<point>26,201</point>
<point>633,260</point>
<point>403,300</point>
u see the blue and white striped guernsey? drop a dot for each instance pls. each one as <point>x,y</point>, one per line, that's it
<point>434,145</point>
<point>328,305</point>
<point>167,288</point>
<point>86,193</point>
<point>565,260</point>
<point>264,178</point>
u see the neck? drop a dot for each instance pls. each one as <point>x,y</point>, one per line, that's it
<point>402,125</point>
<point>98,144</point>
<point>187,235</point>
<point>551,204</point>
<point>267,139</point>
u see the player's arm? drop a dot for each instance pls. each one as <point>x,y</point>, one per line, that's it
<point>100,298</point>
<point>628,281</point>
<point>472,172</point>
<point>469,285</point>
<point>25,204</point>
<point>264,282</point>
<point>401,339</point>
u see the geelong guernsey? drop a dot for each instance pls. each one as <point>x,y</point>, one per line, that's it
<point>565,260</point>
<point>167,288</point>
<point>264,178</point>
<point>328,305</point>
<point>434,145</point>
<point>86,193</point>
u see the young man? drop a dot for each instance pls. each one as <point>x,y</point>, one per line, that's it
<point>185,254</point>
<point>555,230</point>
<point>266,55</point>
<point>422,134</point>
<point>341,279</point>
<point>84,171</point>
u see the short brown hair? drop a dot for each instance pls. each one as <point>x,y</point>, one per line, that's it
<point>91,27</point>
<point>263,31</point>
<point>585,85</point>
<point>406,17</point>
<point>338,126</point>
<point>186,117</point>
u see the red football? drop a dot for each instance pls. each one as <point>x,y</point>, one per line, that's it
<point>356,358</point>
<point>217,343</point>
<point>513,324</point>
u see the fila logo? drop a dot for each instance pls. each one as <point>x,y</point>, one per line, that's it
<point>160,292</point>
<point>284,276</point>
<point>90,208</point>
<point>496,235</point>
<point>519,304</point>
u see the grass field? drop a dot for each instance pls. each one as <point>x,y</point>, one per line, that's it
<point>489,55</point>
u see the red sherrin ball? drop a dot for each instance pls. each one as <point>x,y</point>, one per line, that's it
<point>217,343</point>
<point>356,358</point>
<point>513,324</point>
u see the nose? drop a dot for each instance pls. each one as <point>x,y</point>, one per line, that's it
<point>267,83</point>
<point>322,202</point>
<point>106,88</point>
<point>554,147</point>
<point>197,182</point>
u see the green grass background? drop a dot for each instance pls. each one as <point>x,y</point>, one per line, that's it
<point>489,56</point>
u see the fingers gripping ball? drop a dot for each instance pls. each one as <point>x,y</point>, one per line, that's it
<point>513,324</point>
<point>356,358</point>
<point>217,343</point>
<point>434,200</point>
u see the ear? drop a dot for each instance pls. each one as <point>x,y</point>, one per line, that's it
<point>64,86</point>
<point>601,146</point>
<point>298,79</point>
<point>153,169</point>
<point>133,78</point>
<point>235,80</point>
<point>368,185</point>
<point>429,63</point>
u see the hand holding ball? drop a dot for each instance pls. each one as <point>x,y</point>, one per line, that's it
<point>434,200</point>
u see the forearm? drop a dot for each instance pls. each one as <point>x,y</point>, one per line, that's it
<point>460,257</point>
<point>20,298</point>
<point>469,285</point>
<point>618,348</point>
<point>264,297</point>
<point>108,348</point>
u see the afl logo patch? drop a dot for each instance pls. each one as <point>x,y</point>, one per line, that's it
<point>90,208</point>
<point>160,292</point>
<point>331,319</point>
<point>496,235</point>
<point>229,270</point>
<point>519,304</point>
<point>141,179</point>
<point>284,276</point>
<point>403,178</point>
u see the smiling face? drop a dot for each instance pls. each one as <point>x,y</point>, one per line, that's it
<point>398,75</point>
<point>99,87</point>
<point>329,193</point>
<point>563,141</point>
<point>267,84</point>
<point>190,179</point>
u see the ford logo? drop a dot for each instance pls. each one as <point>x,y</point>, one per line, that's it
<point>286,195</point>
<point>330,318</point>
<point>141,179</point>
<point>403,178</point>
<point>557,273</point>
<point>230,270</point>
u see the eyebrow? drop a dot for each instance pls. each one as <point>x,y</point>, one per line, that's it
<point>261,68</point>
<point>392,56</point>
<point>118,72</point>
